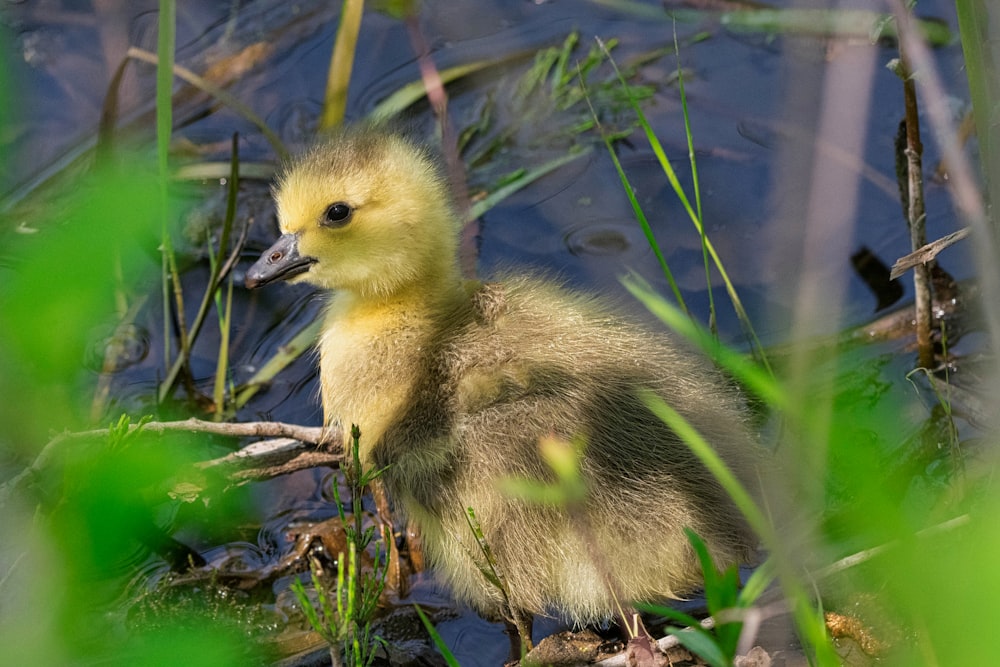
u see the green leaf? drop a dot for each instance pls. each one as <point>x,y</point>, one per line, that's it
<point>449,657</point>
<point>757,583</point>
<point>669,612</point>
<point>702,644</point>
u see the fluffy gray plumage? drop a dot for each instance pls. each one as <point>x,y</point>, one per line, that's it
<point>454,383</point>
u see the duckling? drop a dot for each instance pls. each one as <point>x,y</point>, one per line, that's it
<point>453,384</point>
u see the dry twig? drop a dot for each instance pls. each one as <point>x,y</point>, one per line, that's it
<point>292,447</point>
<point>926,253</point>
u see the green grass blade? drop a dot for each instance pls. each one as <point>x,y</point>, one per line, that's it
<point>449,657</point>
<point>414,91</point>
<point>218,93</point>
<point>808,619</point>
<point>220,267</point>
<point>225,316</point>
<point>560,76</point>
<point>702,644</point>
<point>164,128</point>
<point>286,354</point>
<point>222,365</point>
<point>674,615</point>
<point>164,92</point>
<point>636,208</point>
<point>714,593</point>
<point>671,175</point>
<point>715,465</point>
<point>341,62</point>
<point>635,9</point>
<point>757,380</point>
<point>479,208</point>
<point>696,185</point>
<point>691,634</point>
<point>654,142</point>
<point>833,23</point>
<point>646,228</point>
<point>757,583</point>
<point>489,570</point>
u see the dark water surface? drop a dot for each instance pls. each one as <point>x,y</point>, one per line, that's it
<point>575,223</point>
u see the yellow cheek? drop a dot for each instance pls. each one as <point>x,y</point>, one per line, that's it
<point>312,244</point>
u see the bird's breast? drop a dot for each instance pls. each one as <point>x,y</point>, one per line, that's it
<point>369,370</point>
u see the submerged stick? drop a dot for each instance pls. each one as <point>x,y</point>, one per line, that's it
<point>912,187</point>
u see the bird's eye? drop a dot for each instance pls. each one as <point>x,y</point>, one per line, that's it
<point>337,215</point>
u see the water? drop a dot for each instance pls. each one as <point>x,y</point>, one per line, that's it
<point>575,223</point>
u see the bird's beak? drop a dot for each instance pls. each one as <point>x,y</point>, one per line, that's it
<point>279,262</point>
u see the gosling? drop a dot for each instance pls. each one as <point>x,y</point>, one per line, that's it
<point>454,383</point>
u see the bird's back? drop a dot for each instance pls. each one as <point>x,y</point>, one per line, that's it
<point>527,359</point>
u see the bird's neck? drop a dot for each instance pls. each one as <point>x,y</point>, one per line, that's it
<point>372,353</point>
<point>421,299</point>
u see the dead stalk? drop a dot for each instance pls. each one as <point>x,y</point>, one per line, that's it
<point>916,214</point>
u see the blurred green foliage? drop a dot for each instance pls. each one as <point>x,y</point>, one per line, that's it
<point>99,507</point>
<point>61,286</point>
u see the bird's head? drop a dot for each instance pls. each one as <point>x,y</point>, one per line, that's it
<point>367,211</point>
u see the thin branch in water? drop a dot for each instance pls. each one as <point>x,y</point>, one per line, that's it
<point>221,270</point>
<point>912,187</point>
<point>963,188</point>
<point>315,446</point>
<point>927,252</point>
